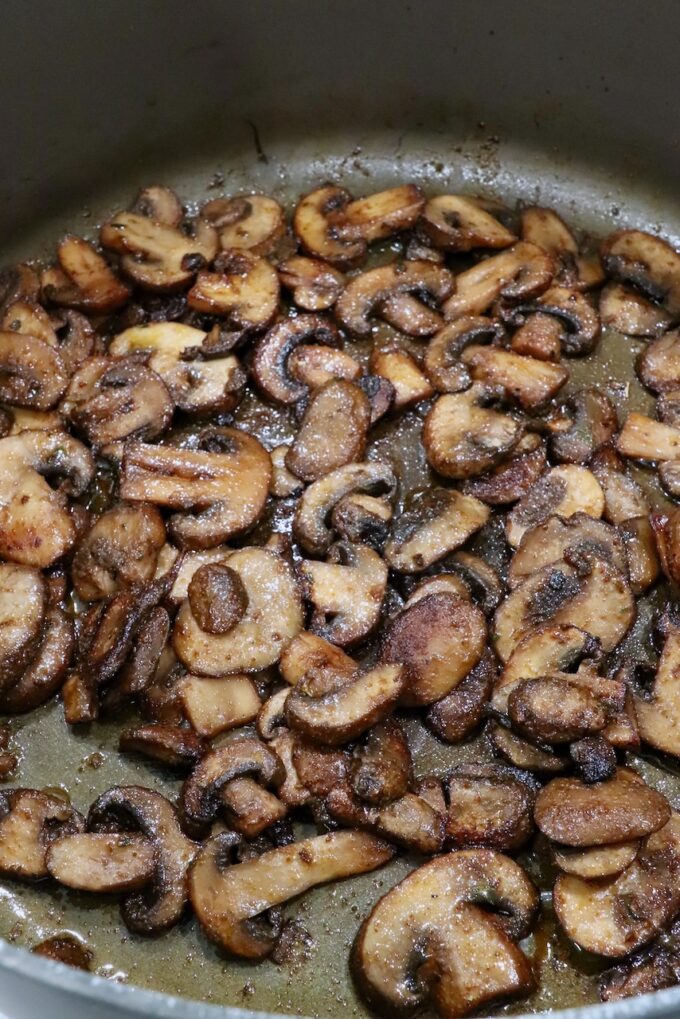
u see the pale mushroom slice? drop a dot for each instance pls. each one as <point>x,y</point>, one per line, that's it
<point>614,916</point>
<point>646,262</point>
<point>121,548</point>
<point>624,309</point>
<point>521,271</point>
<point>643,438</point>
<point>219,704</point>
<point>379,215</point>
<point>659,363</point>
<point>113,863</point>
<point>594,598</point>
<point>658,713</point>
<point>32,373</point>
<point>561,492</point>
<point>315,225</point>
<point>446,936</point>
<point>442,362</point>
<point>29,821</point>
<point>411,386</point>
<point>438,639</point>
<point>640,543</point>
<point>488,806</point>
<point>596,861</point>
<point>529,381</point>
<point>333,431</point>
<point>185,565</point>
<point>464,437</point>
<point>229,900</point>
<point>224,479</point>
<point>252,222</point>
<point>459,223</point>
<point>411,316</point>
<point>548,230</point>
<point>284,483</point>
<point>244,290</point>
<point>559,538</point>
<point>83,279</point>
<point>24,419</point>
<point>159,203</point>
<point>514,477</point>
<point>364,294</point>
<point>315,284</point>
<point>273,617</point>
<point>439,521</point>
<point>270,367</point>
<point>347,592</point>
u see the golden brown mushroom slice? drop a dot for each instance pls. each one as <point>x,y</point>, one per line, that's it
<point>442,362</point>
<point>315,284</point>
<point>464,437</point>
<point>244,290</point>
<point>514,477</point>
<point>590,421</point>
<point>333,431</point>
<point>623,497</point>
<point>313,366</point>
<point>188,564</point>
<point>564,537</point>
<point>347,592</point>
<point>458,223</point>
<point>270,366</point>
<point>381,214</point>
<point>224,478</point>
<point>579,321</point>
<point>229,900</point>
<point>382,769</point>
<point>439,521</point>
<point>658,713</point>
<point>364,294</point>
<point>646,262</point>
<point>643,438</point>
<point>411,386</point>
<point>446,935</point>
<point>216,705</point>
<point>459,713</point>
<point>521,271</point>
<point>439,640</point>
<point>252,222</point>
<point>362,518</point>
<point>560,492</point>
<point>316,660</point>
<point>614,916</point>
<point>652,969</point>
<point>529,381</point>
<point>273,617</point>
<point>83,279</point>
<point>120,549</point>
<point>624,309</point>
<point>638,536</point>
<point>410,821</point>
<point>596,861</point>
<point>548,230</point>
<point>489,806</point>
<point>172,745</point>
<point>114,863</point>
<point>32,373</point>
<point>315,225</point>
<point>659,363</point>
<point>29,821</point>
<point>521,753</point>
<point>23,601</point>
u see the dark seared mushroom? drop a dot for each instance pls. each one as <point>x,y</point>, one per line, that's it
<point>333,431</point>
<point>315,285</point>
<point>652,969</point>
<point>217,598</point>
<point>83,279</point>
<point>270,361</point>
<point>23,601</point>
<point>216,705</point>
<point>446,935</point>
<point>659,363</point>
<point>318,236</point>
<point>527,380</point>
<point>120,549</point>
<point>658,713</point>
<point>490,806</point>
<point>566,538</point>
<point>515,477</point>
<point>439,521</point>
<point>382,769</point>
<point>410,821</point>
<point>32,373</point>
<point>402,371</point>
<point>364,294</point>
<point>347,592</point>
<point>549,231</point>
<point>362,518</point>
<point>538,336</point>
<point>520,272</point>
<point>647,262</point>
<point>457,714</point>
<point>170,744</point>
<point>29,821</point>
<point>442,363</point>
<point>252,222</point>
<point>561,491</point>
<point>317,661</point>
<point>459,223</point>
<point>590,422</point>
<point>379,215</point>
<point>380,393</point>
<point>554,710</point>
<point>111,862</point>
<point>624,309</point>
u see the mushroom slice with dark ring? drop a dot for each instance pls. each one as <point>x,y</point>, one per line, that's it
<point>463,437</point>
<point>229,899</point>
<point>624,309</point>
<point>252,222</point>
<point>83,280</point>
<point>317,661</point>
<point>29,821</point>
<point>489,805</point>
<point>120,549</point>
<point>521,753</point>
<point>131,809</point>
<point>439,521</point>
<point>32,373</point>
<point>402,371</point>
<point>380,393</point>
<point>458,223</point>
<point>659,363</point>
<point>364,294</point>
<point>521,271</point>
<point>560,538</point>
<point>333,431</point>
<point>459,713</point>
<point>561,492</point>
<point>442,363</point>
<point>148,644</point>
<point>245,290</point>
<point>439,583</point>
<point>410,821</point>
<point>217,598</point>
<point>596,861</point>
<point>652,969</point>
<point>590,423</point>
<point>23,604</point>
<point>270,360</point>
<point>284,483</point>
<point>379,215</point>
<point>170,744</point>
<point>643,438</point>
<point>382,769</point>
<point>347,592</point>
<point>515,477</point>
<point>580,321</point>
<point>315,285</point>
<point>446,935</point>
<point>549,231</point>
<point>529,381</point>
<point>362,518</point>
<point>216,705</point>
<point>315,225</point>
<point>647,262</point>
<point>658,712</point>
<point>113,863</point>
<point>482,580</point>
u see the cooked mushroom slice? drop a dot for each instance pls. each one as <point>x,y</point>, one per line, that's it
<point>580,321</point>
<point>573,813</point>
<point>439,521</point>
<point>562,492</point>
<point>131,809</point>
<point>432,938</point>
<point>155,255</point>
<point>121,548</point>
<point>627,311</point>
<point>549,231</point>
<point>67,949</point>
<point>22,419</point>
<point>23,598</point>
<point>8,759</point>
<point>284,484</point>
<point>112,400</point>
<point>292,792</point>
<point>408,315</point>
<point>382,769</point>
<point>650,264</point>
<point>228,473</point>
<point>83,280</point>
<point>160,204</point>
<point>658,713</point>
<point>315,225</point>
<point>554,710</point>
<point>515,477</point>
<point>81,704</point>
<point>344,713</point>
<point>270,363</point>
<point>333,431</point>
<point>410,821</point>
<point>380,393</point>
<point>362,518</point>
<point>529,381</point>
<point>666,529</point>
<point>36,527</point>
<point>399,368</point>
<point>521,753</point>
<point>590,422</point>
<point>596,862</point>
<point>217,598</point>
<point>490,806</point>
<point>29,822</point>
<point>213,706</point>
<point>19,282</point>
<point>659,363</point>
<point>272,619</point>
<point>32,373</point>
<point>228,900</point>
<point>315,507</point>
<point>668,407</point>
<point>559,538</point>
<point>442,362</point>
<point>641,549</point>
<point>642,438</point>
<point>438,640</point>
<point>316,285</point>
<point>347,592</point>
<point>538,336</point>
<point>459,713</point>
<point>513,275</point>
<point>652,969</point>
<point>271,719</point>
<point>439,583</point>
<point>463,437</point>
<point>315,365</point>
<point>320,663</point>
<point>364,294</point>
<point>169,744</point>
<point>379,215</point>
<point>457,223</point>
<point>113,863</point>
<point>623,497</point>
<point>614,916</point>
<point>252,222</point>
<point>245,291</point>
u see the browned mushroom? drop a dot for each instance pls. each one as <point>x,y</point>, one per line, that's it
<point>589,422</point>
<point>596,861</point>
<point>409,821</point>
<point>270,362</point>
<point>649,263</point>
<point>215,705</point>
<point>32,373</point>
<point>658,712</point>
<point>380,393</point>
<point>459,223</point>
<point>651,969</point>
<point>438,521</point>
<point>627,311</point>
<point>379,215</point>
<point>522,271</point>
<point>217,597</point>
<point>318,236</point>
<point>347,592</point>
<point>623,497</point>
<point>643,438</point>
<point>644,567</point>
<point>521,753</point>
<point>362,518</point>
<point>515,477</point>
<point>313,366</point>
<point>538,336</point>
<point>67,949</point>
<point>315,285</point>
<point>399,368</point>
<point>549,231</point>
<point>120,549</point>
<point>579,320</point>
<point>29,821</point>
<point>317,661</point>
<point>659,363</point>
<point>490,806</point>
<point>382,769</point>
<point>457,714</point>
<point>333,431</point>
<point>446,935</point>
<point>529,381</point>
<point>83,279</point>
<point>170,744</point>
<point>562,492</point>
<point>252,222</point>
<point>566,538</point>
<point>116,862</point>
<point>364,294</point>
<point>442,362</point>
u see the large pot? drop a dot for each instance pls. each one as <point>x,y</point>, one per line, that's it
<point>573,103</point>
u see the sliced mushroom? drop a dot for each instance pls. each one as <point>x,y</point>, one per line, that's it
<point>579,320</point>
<point>347,592</point>
<point>596,861</point>
<point>313,366</point>
<point>382,769</point>
<point>113,862</point>
<point>463,437</point>
<point>515,477</point>
<point>228,900</point>
<point>29,822</point>
<point>438,583</point>
<point>561,492</point>
<point>364,294</point>
<point>169,744</point>
<point>658,713</point>
<point>439,521</point>
<point>549,231</point>
<point>83,280</point>
<point>228,473</point>
<point>216,705</point>
<point>272,619</point>
<point>642,438</point>
<point>589,423</point>
<point>317,661</point>
<point>32,373</point>
<point>614,916</point>
<point>433,938</point>
<point>284,483</point>
<point>659,363</point>
<point>159,203</point>
<point>343,714</point>
<point>442,363</point>
<point>458,223</point>
<point>521,753</point>
<point>315,285</point>
<point>270,362</point>
<point>23,598</point>
<point>409,821</point>
<point>641,548</point>
<point>522,271</point>
<point>379,215</point>
<point>649,263</point>
<point>457,714</point>
<point>333,431</point>
<point>559,538</point>
<point>217,598</point>
<point>489,806</point>
<point>399,368</point>
<point>380,393</point>
<point>245,291</point>
<point>529,381</point>
<point>627,311</point>
<point>652,969</point>
<point>314,223</point>
<point>362,518</point>
<point>252,222</point>
<point>554,710</point>
<point>410,316</point>
<point>22,419</point>
<point>623,497</point>
<point>120,549</point>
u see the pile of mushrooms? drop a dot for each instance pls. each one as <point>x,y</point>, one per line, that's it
<point>276,603</point>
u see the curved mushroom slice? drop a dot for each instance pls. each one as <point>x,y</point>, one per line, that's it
<point>521,753</point>
<point>598,601</point>
<point>155,255</point>
<point>597,861</point>
<point>32,373</point>
<point>490,806</point>
<point>159,203</point>
<point>36,527</point>
<point>614,916</point>
<point>659,363</point>
<point>668,407</point>
<point>549,231</point>
<point>515,477</point>
<point>650,264</point>
<point>343,714</point>
<point>522,271</point>
<point>559,538</point>
<point>546,650</point>
<point>112,863</point>
<point>652,969</point>
<point>399,368</point>
<point>272,619</point>
<point>315,225</point>
<point>333,431</point>
<point>557,709</point>
<point>50,661</point>
<point>623,497</point>
<point>217,598</point>
<point>132,808</point>
<point>313,366</point>
<point>170,744</point>
<point>410,821</point>
<point>29,822</point>
<point>271,719</point>
<point>229,474</point>
<point>229,900</point>
<point>347,592</point>
<point>457,223</point>
<point>112,400</point>
<point>382,769</point>
<point>364,294</point>
<point>431,938</point>
<point>23,601</point>
<point>627,311</point>
<point>408,315</point>
<point>457,714</point>
<point>315,507</point>
<point>638,538</point>
<point>579,320</point>
<point>284,483</point>
<point>380,393</point>
<point>463,437</point>
<point>270,362</point>
<point>643,438</point>
<point>83,279</point>
<point>245,291</point>
<point>315,284</point>
<point>658,714</point>
<point>252,222</point>
<point>529,381</point>
<point>560,492</point>
<point>362,518</point>
<point>590,422</point>
<point>439,521</point>
<point>379,215</point>
<point>317,661</point>
<point>439,583</point>
<point>216,705</point>
<point>438,640</point>
<point>442,363</point>
<point>120,549</point>
<point>482,580</point>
